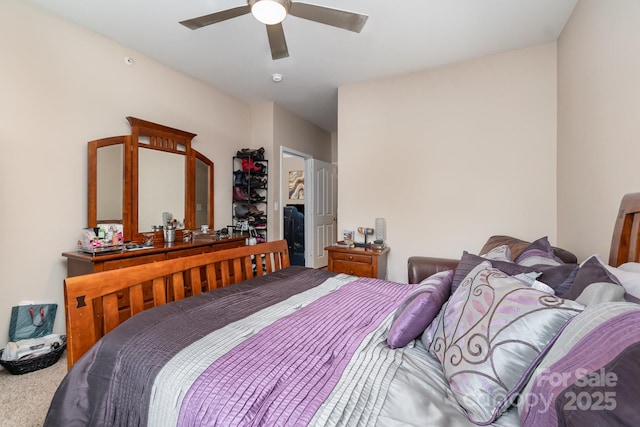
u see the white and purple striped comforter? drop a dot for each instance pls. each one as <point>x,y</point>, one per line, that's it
<point>296,347</point>
<point>281,364</point>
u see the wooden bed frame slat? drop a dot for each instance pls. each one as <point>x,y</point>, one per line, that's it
<point>224,273</point>
<point>85,325</point>
<point>136,299</point>
<point>212,277</point>
<point>110,312</point>
<point>196,283</point>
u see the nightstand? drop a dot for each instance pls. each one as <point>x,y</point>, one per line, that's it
<point>358,261</point>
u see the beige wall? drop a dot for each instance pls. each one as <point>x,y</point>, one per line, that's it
<point>62,86</point>
<point>598,121</point>
<point>274,127</point>
<point>452,155</point>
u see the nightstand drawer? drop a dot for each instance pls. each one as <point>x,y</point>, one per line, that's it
<point>360,262</point>
<point>339,256</point>
<point>353,268</point>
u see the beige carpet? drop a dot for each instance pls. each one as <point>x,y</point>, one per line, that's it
<point>24,399</point>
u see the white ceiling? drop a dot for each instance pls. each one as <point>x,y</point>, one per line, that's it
<point>400,36</point>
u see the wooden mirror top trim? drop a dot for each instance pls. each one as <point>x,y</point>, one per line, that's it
<point>143,127</point>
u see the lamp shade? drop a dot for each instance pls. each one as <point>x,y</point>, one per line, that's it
<point>270,12</point>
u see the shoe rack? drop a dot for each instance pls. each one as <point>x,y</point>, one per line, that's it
<point>249,204</point>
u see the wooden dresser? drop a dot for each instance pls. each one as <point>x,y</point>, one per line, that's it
<point>82,263</point>
<point>358,261</point>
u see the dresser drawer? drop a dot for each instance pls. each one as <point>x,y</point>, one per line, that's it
<point>128,262</point>
<point>189,252</point>
<point>364,259</point>
<point>353,268</point>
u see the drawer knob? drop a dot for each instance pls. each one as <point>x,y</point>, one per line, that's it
<point>350,257</point>
<point>351,272</point>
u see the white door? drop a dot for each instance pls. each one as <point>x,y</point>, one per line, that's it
<point>321,221</point>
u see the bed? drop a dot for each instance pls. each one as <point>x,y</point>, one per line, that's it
<point>274,344</point>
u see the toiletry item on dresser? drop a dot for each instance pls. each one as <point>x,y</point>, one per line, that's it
<point>169,233</point>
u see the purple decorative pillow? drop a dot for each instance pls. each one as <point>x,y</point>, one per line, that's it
<point>490,336</point>
<point>419,309</point>
<point>539,252</point>
<point>591,271</point>
<point>558,277</point>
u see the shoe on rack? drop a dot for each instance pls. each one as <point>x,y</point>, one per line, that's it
<point>241,211</point>
<point>240,178</point>
<point>257,154</point>
<point>240,194</point>
<point>249,165</point>
<point>255,211</point>
<point>259,169</point>
<point>255,197</point>
<point>257,182</point>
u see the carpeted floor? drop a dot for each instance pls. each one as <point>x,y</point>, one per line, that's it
<point>24,399</point>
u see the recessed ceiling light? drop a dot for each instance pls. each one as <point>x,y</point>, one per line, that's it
<point>276,77</point>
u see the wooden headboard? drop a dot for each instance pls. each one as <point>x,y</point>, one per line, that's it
<point>93,302</point>
<point>625,244</point>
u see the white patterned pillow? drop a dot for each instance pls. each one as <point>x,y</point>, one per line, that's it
<point>490,335</point>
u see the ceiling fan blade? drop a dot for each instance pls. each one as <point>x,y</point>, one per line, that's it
<point>277,41</point>
<point>324,15</point>
<point>212,18</point>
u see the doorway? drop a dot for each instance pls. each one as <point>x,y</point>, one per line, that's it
<point>308,201</point>
<point>293,201</point>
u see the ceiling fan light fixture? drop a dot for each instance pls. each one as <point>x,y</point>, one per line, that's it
<point>270,12</point>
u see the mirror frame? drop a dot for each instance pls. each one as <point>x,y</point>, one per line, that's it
<point>161,138</point>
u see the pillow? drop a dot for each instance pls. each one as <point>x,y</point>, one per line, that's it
<point>590,375</point>
<point>599,293</point>
<point>529,279</point>
<point>633,267</point>
<point>518,245</point>
<point>559,278</point>
<point>629,276</point>
<point>490,336</point>
<point>539,252</point>
<point>591,271</point>
<point>499,253</point>
<point>419,309</point>
<point>515,245</point>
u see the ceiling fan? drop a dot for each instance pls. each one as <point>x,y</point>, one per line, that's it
<point>272,13</point>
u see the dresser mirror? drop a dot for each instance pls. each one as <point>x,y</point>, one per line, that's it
<point>161,186</point>
<point>134,178</point>
<point>109,182</point>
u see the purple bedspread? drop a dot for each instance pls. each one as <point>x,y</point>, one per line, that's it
<point>277,378</point>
